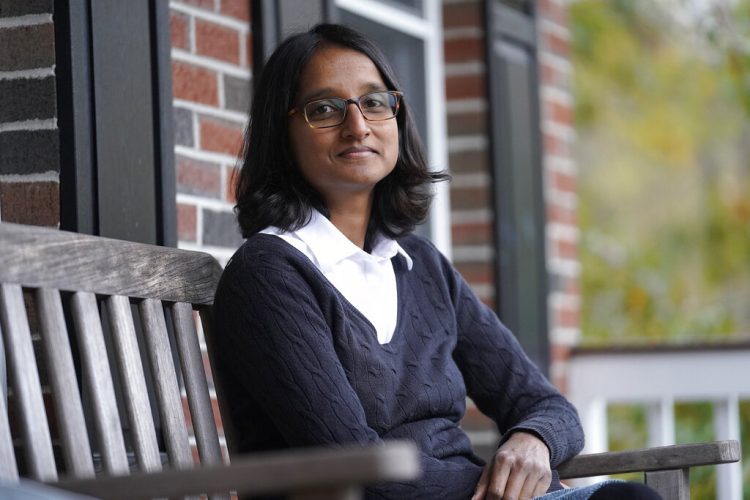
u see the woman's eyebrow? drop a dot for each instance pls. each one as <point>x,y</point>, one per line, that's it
<point>330,92</point>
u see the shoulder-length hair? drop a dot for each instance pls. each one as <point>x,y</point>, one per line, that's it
<point>270,189</point>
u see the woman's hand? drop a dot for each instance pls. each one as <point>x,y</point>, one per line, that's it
<point>520,470</point>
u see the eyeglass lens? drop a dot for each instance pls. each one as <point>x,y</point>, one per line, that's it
<point>331,111</point>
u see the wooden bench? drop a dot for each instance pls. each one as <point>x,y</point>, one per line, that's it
<point>102,338</point>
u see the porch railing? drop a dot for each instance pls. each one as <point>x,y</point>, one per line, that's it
<point>659,377</point>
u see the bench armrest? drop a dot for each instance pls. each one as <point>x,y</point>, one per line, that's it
<point>264,473</point>
<point>660,458</point>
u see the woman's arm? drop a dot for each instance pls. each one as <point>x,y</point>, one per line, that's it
<point>505,384</point>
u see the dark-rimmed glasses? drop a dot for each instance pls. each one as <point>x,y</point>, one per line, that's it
<point>331,111</point>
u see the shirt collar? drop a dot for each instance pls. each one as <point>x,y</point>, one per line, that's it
<point>329,246</point>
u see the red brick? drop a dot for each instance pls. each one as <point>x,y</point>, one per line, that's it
<point>194,84</point>
<point>34,203</point>
<point>468,123</point>
<point>201,4</point>
<point>560,352</point>
<point>479,233</point>
<point>556,44</point>
<point>565,248</point>
<point>561,215</point>
<point>462,14</point>
<point>567,317</point>
<point>464,49</point>
<point>180,30</point>
<point>220,136</point>
<point>553,76</point>
<point>555,145</point>
<point>469,162</point>
<point>477,272</point>
<point>187,220</point>
<point>219,42</point>
<point>552,10</point>
<point>470,198</point>
<point>564,181</point>
<point>198,177</point>
<point>465,86</point>
<point>238,9</point>
<point>559,112</point>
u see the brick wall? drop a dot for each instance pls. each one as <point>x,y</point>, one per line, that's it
<point>29,139</point>
<point>211,51</point>
<point>472,215</point>
<point>559,184</point>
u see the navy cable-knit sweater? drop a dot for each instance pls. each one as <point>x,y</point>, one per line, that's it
<point>302,366</point>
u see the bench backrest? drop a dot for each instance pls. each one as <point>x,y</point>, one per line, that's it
<point>100,339</point>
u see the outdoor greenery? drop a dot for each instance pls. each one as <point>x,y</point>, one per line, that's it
<point>662,116</point>
<point>662,93</point>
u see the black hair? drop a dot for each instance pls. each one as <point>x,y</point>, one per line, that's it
<point>270,189</point>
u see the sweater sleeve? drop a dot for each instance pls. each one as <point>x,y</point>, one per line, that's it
<point>503,382</point>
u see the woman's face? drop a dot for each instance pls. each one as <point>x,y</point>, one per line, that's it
<point>354,156</point>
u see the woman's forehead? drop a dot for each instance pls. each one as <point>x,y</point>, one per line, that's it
<point>332,70</point>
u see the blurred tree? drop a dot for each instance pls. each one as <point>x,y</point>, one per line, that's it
<point>662,91</point>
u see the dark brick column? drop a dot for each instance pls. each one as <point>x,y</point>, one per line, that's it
<point>29,139</point>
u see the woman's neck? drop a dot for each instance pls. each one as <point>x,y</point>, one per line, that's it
<point>351,216</point>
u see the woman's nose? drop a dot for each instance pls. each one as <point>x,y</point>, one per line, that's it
<point>355,124</point>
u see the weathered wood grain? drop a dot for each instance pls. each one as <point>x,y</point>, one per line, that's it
<point>67,398</point>
<point>40,257</point>
<point>165,382</point>
<point>196,386</point>
<point>267,473</point>
<point>130,367</point>
<point>24,379</point>
<point>651,459</point>
<point>670,484</point>
<point>97,378</point>
<point>8,468</point>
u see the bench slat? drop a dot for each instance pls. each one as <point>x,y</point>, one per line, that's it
<point>32,257</point>
<point>652,459</point>
<point>133,380</point>
<point>27,390</point>
<point>196,386</point>
<point>8,468</point>
<point>75,439</point>
<point>167,388</point>
<point>98,380</point>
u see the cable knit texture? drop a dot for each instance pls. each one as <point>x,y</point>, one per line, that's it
<point>303,367</point>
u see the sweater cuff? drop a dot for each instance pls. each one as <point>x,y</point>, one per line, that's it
<point>548,438</point>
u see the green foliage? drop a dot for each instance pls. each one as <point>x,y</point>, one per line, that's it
<point>663,148</point>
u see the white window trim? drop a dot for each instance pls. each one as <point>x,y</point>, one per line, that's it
<point>430,29</point>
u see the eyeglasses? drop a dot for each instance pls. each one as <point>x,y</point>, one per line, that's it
<point>331,111</point>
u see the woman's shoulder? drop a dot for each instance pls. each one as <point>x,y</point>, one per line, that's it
<point>422,250</point>
<point>264,254</point>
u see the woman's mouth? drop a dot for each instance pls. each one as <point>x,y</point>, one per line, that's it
<point>355,152</point>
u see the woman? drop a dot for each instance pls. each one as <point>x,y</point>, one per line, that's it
<point>334,323</point>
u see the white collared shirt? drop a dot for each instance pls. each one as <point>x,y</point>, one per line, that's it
<point>366,280</point>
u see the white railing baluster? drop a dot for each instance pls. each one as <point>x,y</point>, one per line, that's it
<point>727,426</point>
<point>661,422</point>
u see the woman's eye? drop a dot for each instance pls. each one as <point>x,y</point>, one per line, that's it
<point>321,109</point>
<point>373,102</point>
